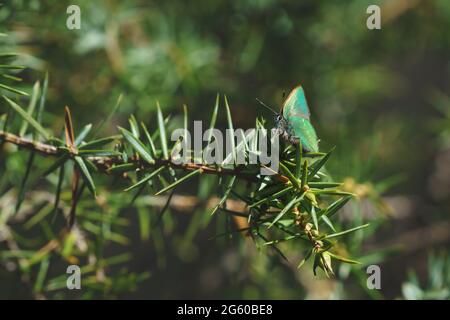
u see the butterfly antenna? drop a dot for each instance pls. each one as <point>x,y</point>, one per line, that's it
<point>266,106</point>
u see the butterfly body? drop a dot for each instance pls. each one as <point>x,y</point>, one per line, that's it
<point>293,122</point>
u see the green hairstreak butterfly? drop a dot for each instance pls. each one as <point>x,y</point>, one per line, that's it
<point>293,121</point>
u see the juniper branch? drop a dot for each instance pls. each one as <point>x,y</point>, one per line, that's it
<point>104,163</point>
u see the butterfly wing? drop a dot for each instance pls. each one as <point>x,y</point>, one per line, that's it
<point>296,113</point>
<point>302,129</point>
<point>295,104</point>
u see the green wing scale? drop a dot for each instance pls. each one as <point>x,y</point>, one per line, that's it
<point>295,104</point>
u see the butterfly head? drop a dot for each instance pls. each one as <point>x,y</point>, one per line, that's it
<point>279,118</point>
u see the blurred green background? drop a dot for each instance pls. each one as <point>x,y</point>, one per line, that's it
<point>380,96</point>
